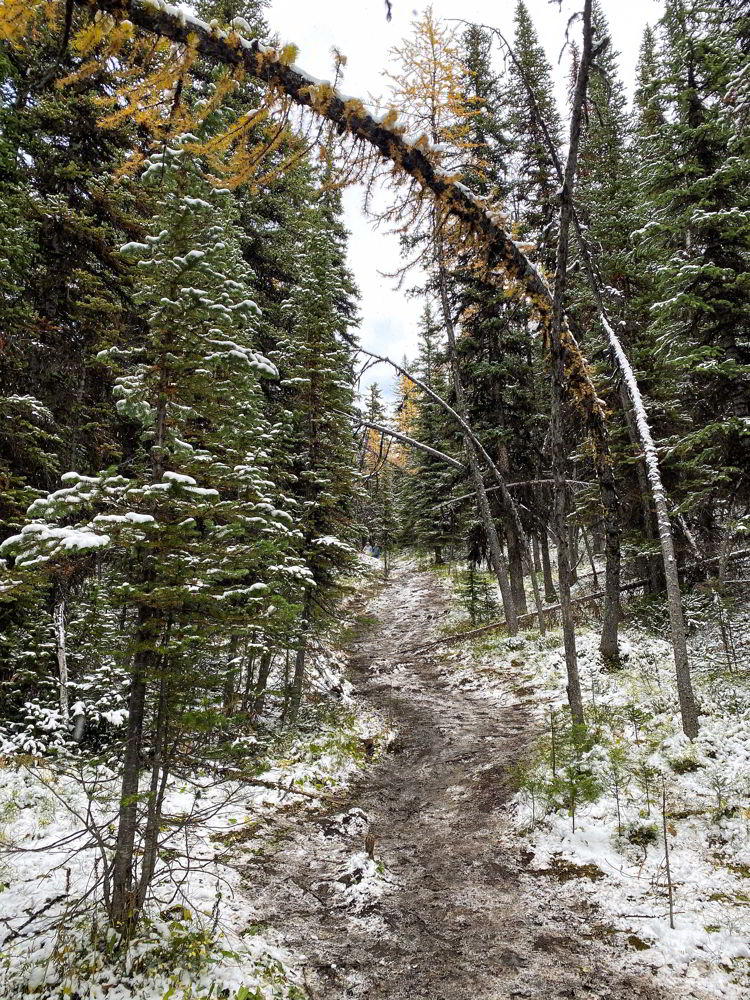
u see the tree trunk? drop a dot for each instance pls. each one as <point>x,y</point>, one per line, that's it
<point>608,645</point>
<point>515,565</point>
<point>651,562</point>
<point>295,694</point>
<point>688,709</point>
<point>559,450</point>
<point>123,911</point>
<point>573,549</point>
<point>62,656</point>
<point>535,548</point>
<point>230,678</point>
<point>158,784</point>
<point>261,683</point>
<point>550,594</point>
<point>590,555</point>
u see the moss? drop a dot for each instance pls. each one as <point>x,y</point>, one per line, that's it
<point>684,765</point>
<point>642,834</point>
<point>734,899</point>
<point>638,944</point>
<point>564,871</point>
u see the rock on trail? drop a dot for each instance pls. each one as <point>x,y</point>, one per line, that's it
<point>450,909</point>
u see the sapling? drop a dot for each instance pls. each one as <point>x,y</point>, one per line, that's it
<point>529,779</point>
<point>553,745</point>
<point>645,776</point>
<point>720,784</point>
<point>666,849</point>
<point>574,780</point>
<point>618,759</point>
<point>635,717</point>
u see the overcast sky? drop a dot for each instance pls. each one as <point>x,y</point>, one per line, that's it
<point>361,32</point>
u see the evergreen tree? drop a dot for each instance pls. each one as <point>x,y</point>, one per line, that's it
<point>315,361</point>
<point>534,181</point>
<point>488,145</point>
<point>199,546</point>
<point>429,519</point>
<point>695,239</point>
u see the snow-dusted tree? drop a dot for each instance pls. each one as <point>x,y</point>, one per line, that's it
<point>197,542</point>
<point>315,361</point>
<point>694,175</point>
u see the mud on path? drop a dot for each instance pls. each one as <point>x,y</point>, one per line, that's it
<point>461,914</point>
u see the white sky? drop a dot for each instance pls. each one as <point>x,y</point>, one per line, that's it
<point>361,32</point>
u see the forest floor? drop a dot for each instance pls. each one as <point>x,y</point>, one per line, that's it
<point>485,883</point>
<point>453,905</point>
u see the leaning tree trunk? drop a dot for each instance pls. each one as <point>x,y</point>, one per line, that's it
<point>688,709</point>
<point>652,561</point>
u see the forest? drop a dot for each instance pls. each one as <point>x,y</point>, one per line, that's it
<point>331,674</point>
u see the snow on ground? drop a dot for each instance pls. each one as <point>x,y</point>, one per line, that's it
<point>635,755</point>
<point>200,937</point>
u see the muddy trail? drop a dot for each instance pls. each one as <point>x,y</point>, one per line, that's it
<point>460,913</point>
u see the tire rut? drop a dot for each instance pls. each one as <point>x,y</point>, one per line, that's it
<point>461,915</point>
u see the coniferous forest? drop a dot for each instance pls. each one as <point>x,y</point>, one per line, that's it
<point>326,672</point>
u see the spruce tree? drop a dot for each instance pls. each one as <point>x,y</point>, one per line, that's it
<point>695,238</point>
<point>530,99</point>
<point>429,520</point>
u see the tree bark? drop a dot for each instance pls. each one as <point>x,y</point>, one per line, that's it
<point>261,683</point>
<point>559,452</point>
<point>550,594</point>
<point>573,549</point>
<point>123,909</point>
<point>62,655</point>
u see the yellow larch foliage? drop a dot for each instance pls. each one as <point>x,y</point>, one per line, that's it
<point>17,18</point>
<point>409,407</point>
<point>152,79</point>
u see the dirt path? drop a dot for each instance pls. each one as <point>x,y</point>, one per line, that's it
<point>460,915</point>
